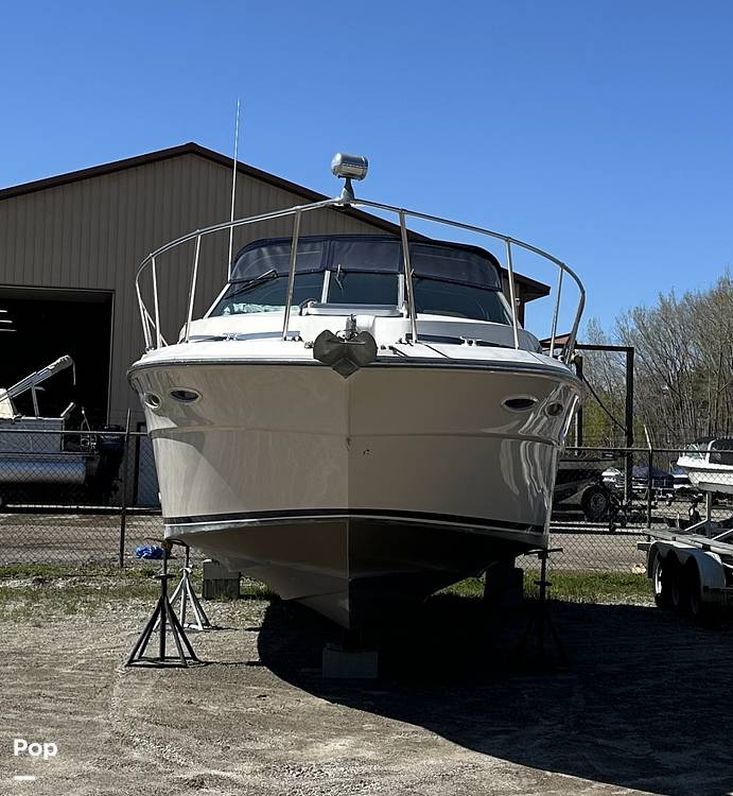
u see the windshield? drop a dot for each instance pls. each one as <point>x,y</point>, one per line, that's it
<point>268,295</point>
<point>721,451</point>
<point>448,279</point>
<point>436,297</point>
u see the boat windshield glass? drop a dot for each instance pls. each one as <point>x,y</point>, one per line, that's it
<point>698,449</point>
<point>449,279</point>
<point>721,451</point>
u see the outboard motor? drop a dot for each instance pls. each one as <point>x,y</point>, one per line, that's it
<point>110,450</point>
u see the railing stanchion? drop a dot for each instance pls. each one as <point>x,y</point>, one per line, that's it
<point>291,273</point>
<point>556,312</point>
<point>156,305</point>
<point>409,288</point>
<point>194,277</point>
<point>512,296</point>
<point>147,337</point>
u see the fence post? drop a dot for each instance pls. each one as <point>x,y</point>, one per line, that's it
<point>629,423</point>
<point>649,482</point>
<point>123,509</point>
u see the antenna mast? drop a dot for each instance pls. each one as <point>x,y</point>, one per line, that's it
<point>234,190</point>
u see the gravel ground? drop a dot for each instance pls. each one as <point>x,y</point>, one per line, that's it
<point>640,707</point>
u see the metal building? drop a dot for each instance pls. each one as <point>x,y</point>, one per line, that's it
<point>70,245</point>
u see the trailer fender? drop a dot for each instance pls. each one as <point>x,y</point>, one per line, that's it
<point>709,564</point>
<point>655,550</point>
<point>710,568</point>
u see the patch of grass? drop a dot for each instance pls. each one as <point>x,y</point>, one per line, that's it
<point>67,596</point>
<point>30,592</point>
<point>574,586</point>
<point>15,571</point>
<point>595,587</point>
<point>255,590</point>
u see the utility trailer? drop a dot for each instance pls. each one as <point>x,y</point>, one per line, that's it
<point>692,571</point>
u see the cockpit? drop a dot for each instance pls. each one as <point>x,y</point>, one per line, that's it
<point>449,279</point>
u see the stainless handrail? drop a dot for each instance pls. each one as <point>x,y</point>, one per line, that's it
<point>291,273</point>
<point>402,216</point>
<point>192,294</point>
<point>409,291</point>
<point>512,292</point>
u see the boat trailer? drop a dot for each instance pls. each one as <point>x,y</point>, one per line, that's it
<point>692,570</point>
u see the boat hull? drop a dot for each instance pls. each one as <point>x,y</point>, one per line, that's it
<point>360,571</point>
<point>337,492</point>
<point>712,479</point>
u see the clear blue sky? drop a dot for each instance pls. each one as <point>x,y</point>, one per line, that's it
<point>599,129</point>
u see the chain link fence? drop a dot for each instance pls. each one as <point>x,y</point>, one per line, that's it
<point>609,499</point>
<point>72,497</point>
<point>75,497</point>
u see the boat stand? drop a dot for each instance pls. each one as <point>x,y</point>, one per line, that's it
<point>163,617</point>
<point>540,627</point>
<point>186,595</point>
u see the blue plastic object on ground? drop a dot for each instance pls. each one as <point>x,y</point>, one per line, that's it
<point>150,551</point>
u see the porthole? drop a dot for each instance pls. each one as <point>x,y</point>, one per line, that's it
<point>521,403</point>
<point>184,396</point>
<point>554,409</point>
<point>152,400</point>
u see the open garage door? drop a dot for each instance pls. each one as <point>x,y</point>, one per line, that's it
<point>38,325</point>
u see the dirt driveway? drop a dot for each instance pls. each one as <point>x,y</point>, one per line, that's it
<point>644,705</point>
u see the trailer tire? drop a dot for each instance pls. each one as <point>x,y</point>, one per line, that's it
<point>701,612</point>
<point>595,503</point>
<point>661,594</point>
<point>672,582</point>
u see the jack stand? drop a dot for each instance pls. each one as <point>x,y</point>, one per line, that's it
<point>541,620</point>
<point>162,616</point>
<point>185,594</point>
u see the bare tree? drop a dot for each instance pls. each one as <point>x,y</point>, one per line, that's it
<point>683,374</point>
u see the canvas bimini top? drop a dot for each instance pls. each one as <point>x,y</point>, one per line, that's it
<point>449,278</point>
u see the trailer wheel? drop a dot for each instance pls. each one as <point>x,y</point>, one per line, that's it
<point>672,582</point>
<point>700,611</point>
<point>595,503</point>
<point>661,594</point>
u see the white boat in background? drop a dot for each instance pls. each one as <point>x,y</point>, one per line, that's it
<point>708,463</point>
<point>357,421</point>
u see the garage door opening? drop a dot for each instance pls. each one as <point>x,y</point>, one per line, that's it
<point>37,326</point>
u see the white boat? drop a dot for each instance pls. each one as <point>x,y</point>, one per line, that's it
<point>708,463</point>
<point>357,421</point>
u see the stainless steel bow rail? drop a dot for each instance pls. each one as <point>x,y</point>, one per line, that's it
<point>152,325</point>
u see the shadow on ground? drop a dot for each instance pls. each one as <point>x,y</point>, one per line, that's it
<point>643,703</point>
